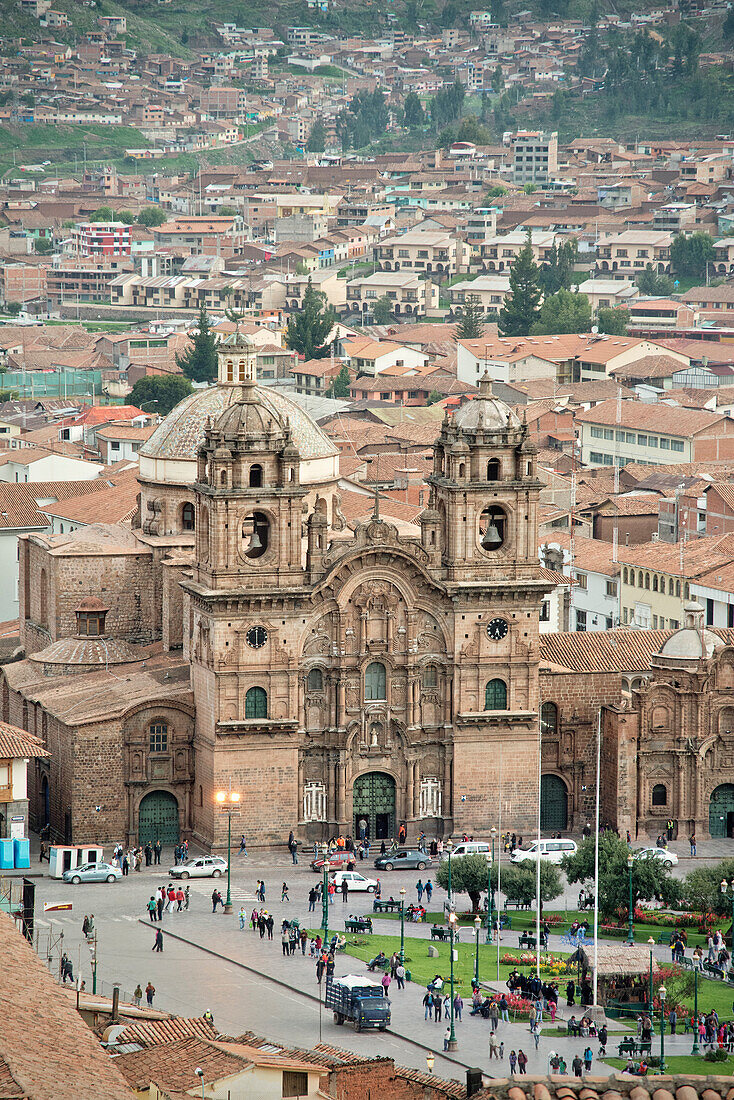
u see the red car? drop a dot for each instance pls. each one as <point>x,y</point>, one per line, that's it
<point>341,860</point>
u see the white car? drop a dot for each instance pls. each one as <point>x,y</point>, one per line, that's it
<point>92,872</point>
<point>552,850</point>
<point>667,858</point>
<point>355,882</point>
<point>202,867</point>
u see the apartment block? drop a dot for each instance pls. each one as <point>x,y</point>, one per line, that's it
<point>101,239</point>
<point>624,255</point>
<point>437,253</point>
<point>499,253</point>
<point>409,295</point>
<point>534,156</point>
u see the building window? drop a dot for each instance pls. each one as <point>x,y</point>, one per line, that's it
<point>256,475</point>
<point>188,517</point>
<point>492,528</point>
<point>430,676</point>
<point>90,623</point>
<point>256,703</point>
<point>647,580</point>
<point>158,737</point>
<point>654,583</point>
<point>582,580</point>
<point>709,612</point>
<point>493,469</point>
<point>314,801</point>
<point>580,620</point>
<point>549,719</point>
<point>495,695</point>
<point>295,1083</point>
<point>430,797</point>
<point>375,681</point>
<point>624,575</point>
<point>545,611</point>
<point>315,680</point>
<point>660,795</point>
<point>611,588</point>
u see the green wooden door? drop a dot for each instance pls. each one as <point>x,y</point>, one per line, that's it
<point>374,800</point>
<point>721,811</point>
<point>553,804</point>
<point>158,818</point>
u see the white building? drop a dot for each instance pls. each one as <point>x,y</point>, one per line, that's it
<point>36,464</point>
<point>594,575</point>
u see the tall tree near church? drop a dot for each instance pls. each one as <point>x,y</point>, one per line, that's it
<point>520,310</point>
<point>199,361</point>
<point>308,329</point>
<point>471,321</point>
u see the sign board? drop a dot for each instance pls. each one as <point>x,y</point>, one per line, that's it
<point>56,906</point>
<point>17,829</point>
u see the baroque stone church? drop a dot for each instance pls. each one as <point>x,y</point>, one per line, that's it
<point>239,636</point>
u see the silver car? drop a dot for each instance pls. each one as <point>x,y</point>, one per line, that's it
<point>202,867</point>
<point>92,872</point>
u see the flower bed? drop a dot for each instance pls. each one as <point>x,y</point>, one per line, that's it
<point>549,964</point>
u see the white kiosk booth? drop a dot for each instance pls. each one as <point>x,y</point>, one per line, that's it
<point>67,857</point>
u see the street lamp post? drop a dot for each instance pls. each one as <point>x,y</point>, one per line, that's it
<point>651,943</point>
<point>230,798</point>
<point>695,1049</point>
<point>452,1033</point>
<point>662,993</point>
<point>325,902</point>
<point>429,1062</point>
<point>725,892</point>
<point>493,833</point>
<point>631,931</point>
<point>477,926</point>
<point>402,925</point>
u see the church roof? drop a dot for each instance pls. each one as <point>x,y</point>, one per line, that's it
<point>90,652</point>
<point>182,431</point>
<point>621,650</point>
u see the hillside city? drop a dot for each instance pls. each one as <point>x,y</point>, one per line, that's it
<point>367,516</point>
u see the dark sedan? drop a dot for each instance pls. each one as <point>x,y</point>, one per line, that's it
<point>403,858</point>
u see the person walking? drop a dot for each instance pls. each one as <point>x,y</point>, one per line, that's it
<point>243,918</point>
<point>157,852</point>
<point>588,1057</point>
<point>158,945</point>
<point>284,893</point>
<point>284,941</point>
<point>536,1034</point>
<point>493,1048</point>
<point>386,982</point>
<point>419,890</point>
<point>152,909</point>
<point>180,898</point>
<point>458,1005</point>
<point>429,891</point>
<point>504,1009</point>
<point>312,896</point>
<point>187,895</point>
<point>137,995</point>
<point>160,903</point>
<point>522,1061</point>
<point>345,891</point>
<point>427,1004</point>
<point>512,1059</point>
<point>171,894</point>
<point>270,924</point>
<point>243,846</point>
<point>446,1038</point>
<point>400,975</point>
<point>149,993</point>
<point>436,1007</point>
<point>303,937</point>
<point>577,1066</point>
<point>692,842</point>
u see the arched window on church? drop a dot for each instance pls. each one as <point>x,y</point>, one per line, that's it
<point>242,370</point>
<point>222,477</point>
<point>660,795</point>
<point>256,703</point>
<point>632,577</point>
<point>375,681</point>
<point>188,517</point>
<point>654,582</point>
<point>624,575</point>
<point>462,469</point>
<point>315,680</point>
<point>492,528</point>
<point>493,469</point>
<point>671,586</point>
<point>230,370</point>
<point>495,695</point>
<point>430,676</point>
<point>647,580</point>
<point>44,598</point>
<point>256,476</point>
<point>677,588</point>
<point>549,719</point>
<point>686,592</point>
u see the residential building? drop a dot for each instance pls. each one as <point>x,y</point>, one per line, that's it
<point>608,293</point>
<point>617,432</point>
<point>17,748</point>
<point>367,356</point>
<point>490,290</point>
<point>325,281</point>
<point>408,294</point>
<point>624,255</point>
<point>534,156</point>
<point>437,253</point>
<point>657,578</point>
<point>594,576</point>
<point>101,239</point>
<point>118,442</point>
<point>498,253</point>
<point>35,464</point>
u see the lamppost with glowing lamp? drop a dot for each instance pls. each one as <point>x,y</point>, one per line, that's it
<point>651,943</point>
<point>477,926</point>
<point>429,1062</point>
<point>229,799</point>
<point>402,925</point>
<point>631,930</point>
<point>451,1045</point>
<point>662,993</point>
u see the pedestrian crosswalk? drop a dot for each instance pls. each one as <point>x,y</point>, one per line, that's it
<point>238,894</point>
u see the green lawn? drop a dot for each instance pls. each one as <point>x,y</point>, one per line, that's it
<point>681,1063</point>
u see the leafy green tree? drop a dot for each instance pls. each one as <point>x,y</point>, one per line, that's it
<point>414,113</point>
<point>102,214</point>
<point>520,309</point>
<point>317,138</point>
<point>690,255</point>
<point>307,330</point>
<point>471,321</point>
<point>495,192</point>
<point>44,245</point>
<point>125,216</point>
<point>519,882</point>
<point>472,129</point>
<point>199,361</point>
<point>446,105</point>
<point>366,118</point>
<point>530,188</point>
<point>702,888</point>
<point>555,274</point>
<point>227,211</point>
<point>151,216</point>
<point>651,881</point>
<point>382,311</point>
<point>302,268</point>
<point>498,79</point>
<point>650,283</point>
<point>339,386</point>
<point>612,321</point>
<point>564,311</point>
<point>468,876</point>
<point>728,27</point>
<point>13,308</point>
<point>434,397</point>
<point>165,389</point>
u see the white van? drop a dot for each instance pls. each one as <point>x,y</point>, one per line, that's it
<point>553,850</point>
<point>470,848</point>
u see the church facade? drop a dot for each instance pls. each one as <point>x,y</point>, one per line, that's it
<point>240,637</point>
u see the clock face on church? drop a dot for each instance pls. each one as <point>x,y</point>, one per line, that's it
<point>256,637</point>
<point>497,629</point>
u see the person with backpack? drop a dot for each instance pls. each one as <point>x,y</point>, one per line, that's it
<point>522,1061</point>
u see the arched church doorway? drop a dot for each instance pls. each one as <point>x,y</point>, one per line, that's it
<point>158,818</point>
<point>721,811</point>
<point>553,804</point>
<point>373,801</point>
<point>45,802</point>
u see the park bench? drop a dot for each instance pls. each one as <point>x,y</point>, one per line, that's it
<point>634,1046</point>
<point>526,940</point>
<point>385,906</point>
<point>505,921</point>
<point>364,925</point>
<point>518,904</point>
<point>439,933</point>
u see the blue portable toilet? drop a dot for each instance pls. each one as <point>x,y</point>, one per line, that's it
<point>22,852</point>
<point>6,855</point>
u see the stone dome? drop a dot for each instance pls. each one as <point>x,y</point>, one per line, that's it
<point>170,453</point>
<point>249,418</point>
<point>486,413</point>
<point>692,642</point>
<point>77,654</point>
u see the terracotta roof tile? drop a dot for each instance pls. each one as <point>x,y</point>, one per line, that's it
<point>608,651</point>
<point>149,1033</point>
<point>17,744</point>
<point>658,417</point>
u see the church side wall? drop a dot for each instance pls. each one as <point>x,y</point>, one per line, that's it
<point>123,581</point>
<point>480,781</point>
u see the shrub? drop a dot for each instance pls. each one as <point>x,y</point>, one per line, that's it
<point>716,1056</point>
